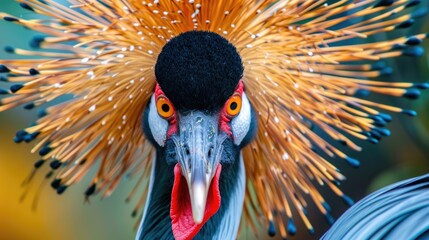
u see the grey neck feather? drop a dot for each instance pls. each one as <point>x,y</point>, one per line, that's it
<point>152,173</point>
<point>232,216</point>
<point>156,222</point>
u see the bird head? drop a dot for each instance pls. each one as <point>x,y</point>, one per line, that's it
<point>198,118</point>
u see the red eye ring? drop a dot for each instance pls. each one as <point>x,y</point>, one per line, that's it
<point>165,107</point>
<point>233,105</point>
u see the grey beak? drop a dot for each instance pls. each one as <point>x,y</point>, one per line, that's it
<point>199,148</point>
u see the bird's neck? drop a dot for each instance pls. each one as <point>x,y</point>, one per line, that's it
<point>156,221</point>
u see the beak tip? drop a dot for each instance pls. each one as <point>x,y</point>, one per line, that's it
<point>198,218</point>
<point>198,201</point>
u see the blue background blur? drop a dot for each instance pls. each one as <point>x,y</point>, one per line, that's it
<point>403,155</point>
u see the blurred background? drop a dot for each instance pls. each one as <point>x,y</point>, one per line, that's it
<point>403,155</point>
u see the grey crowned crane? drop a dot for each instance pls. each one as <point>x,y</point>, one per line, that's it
<point>217,105</point>
<point>198,118</point>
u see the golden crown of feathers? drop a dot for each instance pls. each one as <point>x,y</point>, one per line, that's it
<point>302,69</point>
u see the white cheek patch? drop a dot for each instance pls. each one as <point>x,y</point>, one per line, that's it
<point>240,125</point>
<point>157,125</point>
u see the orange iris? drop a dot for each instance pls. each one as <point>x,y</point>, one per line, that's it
<point>164,107</point>
<point>233,106</point>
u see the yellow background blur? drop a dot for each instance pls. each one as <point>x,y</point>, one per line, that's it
<point>404,154</point>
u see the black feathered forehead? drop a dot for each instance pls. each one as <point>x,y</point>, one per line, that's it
<point>198,70</point>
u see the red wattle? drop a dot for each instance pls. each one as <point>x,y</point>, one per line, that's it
<point>183,225</point>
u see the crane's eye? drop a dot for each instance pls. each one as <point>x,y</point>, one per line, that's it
<point>233,106</point>
<point>164,107</point>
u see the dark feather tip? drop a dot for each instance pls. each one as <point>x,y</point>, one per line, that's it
<point>19,136</point>
<point>30,137</point>
<point>91,190</point>
<point>420,12</point>
<point>386,71</point>
<point>336,182</point>
<point>360,93</point>
<point>410,113</point>
<point>365,133</point>
<point>347,200</point>
<point>9,49</point>
<point>61,189</point>
<point>42,113</point>
<point>55,164</point>
<point>4,69</point>
<point>342,142</point>
<point>271,229</point>
<point>4,91</point>
<point>49,174</point>
<point>378,121</point>
<point>376,135</point>
<point>26,6</point>
<point>326,206</point>
<point>39,163</point>
<point>399,46</point>
<point>21,133</point>
<point>29,106</point>
<point>384,3</point>
<point>412,93</point>
<point>383,131</point>
<point>413,52</point>
<point>304,210</point>
<point>353,162</point>
<point>378,65</point>
<point>413,3</point>
<point>45,150</point>
<point>36,41</point>
<point>413,41</point>
<point>405,24</point>
<point>134,214</point>
<point>3,79</point>
<point>373,140</point>
<point>15,88</point>
<point>385,117</point>
<point>18,139</point>
<point>11,19</point>
<point>291,228</point>
<point>34,72</point>
<point>422,85</point>
<point>329,219</point>
<point>56,183</point>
